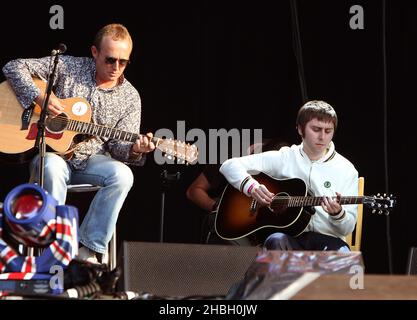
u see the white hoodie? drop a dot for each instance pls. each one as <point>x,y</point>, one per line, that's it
<point>324,177</point>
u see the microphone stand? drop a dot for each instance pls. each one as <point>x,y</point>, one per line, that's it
<point>40,143</point>
<point>167,179</point>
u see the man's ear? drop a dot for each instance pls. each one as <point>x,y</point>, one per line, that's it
<point>300,132</point>
<point>94,52</point>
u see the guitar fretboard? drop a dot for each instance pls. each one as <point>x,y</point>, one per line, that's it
<point>300,201</point>
<point>102,131</point>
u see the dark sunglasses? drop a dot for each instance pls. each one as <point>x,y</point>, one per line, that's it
<point>122,62</point>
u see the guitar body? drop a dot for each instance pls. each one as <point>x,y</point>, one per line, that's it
<point>239,215</point>
<point>15,140</point>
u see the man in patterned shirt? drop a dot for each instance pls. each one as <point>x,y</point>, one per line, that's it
<point>99,161</point>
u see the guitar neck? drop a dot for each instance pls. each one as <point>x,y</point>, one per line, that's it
<point>104,132</point>
<point>316,201</point>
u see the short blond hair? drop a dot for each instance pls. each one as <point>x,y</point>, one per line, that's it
<point>116,31</point>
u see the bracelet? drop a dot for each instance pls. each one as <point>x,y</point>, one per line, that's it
<point>250,188</point>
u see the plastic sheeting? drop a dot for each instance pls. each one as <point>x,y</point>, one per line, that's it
<point>273,271</point>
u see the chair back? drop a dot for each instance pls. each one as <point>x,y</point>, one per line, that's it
<point>354,239</point>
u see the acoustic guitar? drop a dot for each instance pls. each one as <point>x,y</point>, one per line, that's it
<point>239,215</point>
<point>18,128</point>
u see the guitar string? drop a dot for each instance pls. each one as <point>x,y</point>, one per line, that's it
<point>66,120</point>
<point>303,201</point>
<point>113,131</point>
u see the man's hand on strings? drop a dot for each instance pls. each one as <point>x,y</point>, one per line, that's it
<point>144,144</point>
<point>262,195</point>
<point>55,107</point>
<point>332,205</point>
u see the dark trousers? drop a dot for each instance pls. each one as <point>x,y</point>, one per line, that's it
<point>306,241</point>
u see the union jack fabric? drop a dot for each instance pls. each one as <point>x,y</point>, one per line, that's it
<point>59,253</point>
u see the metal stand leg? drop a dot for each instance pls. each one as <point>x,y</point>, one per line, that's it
<point>167,180</point>
<point>112,252</point>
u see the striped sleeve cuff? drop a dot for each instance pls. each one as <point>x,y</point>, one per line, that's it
<point>339,216</point>
<point>249,186</point>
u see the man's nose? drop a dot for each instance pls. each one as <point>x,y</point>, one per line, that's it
<point>116,65</point>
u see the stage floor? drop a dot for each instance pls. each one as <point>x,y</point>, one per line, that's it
<point>375,287</point>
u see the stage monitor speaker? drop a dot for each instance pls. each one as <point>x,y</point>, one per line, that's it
<point>180,270</point>
<point>412,261</point>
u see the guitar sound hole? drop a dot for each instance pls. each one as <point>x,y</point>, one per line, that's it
<point>57,124</point>
<point>280,203</point>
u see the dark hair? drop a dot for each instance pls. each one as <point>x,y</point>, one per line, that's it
<point>316,109</point>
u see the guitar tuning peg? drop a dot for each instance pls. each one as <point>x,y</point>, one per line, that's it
<point>380,212</point>
<point>373,210</point>
<point>385,195</point>
<point>378,195</point>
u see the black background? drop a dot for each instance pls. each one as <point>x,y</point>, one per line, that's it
<point>217,64</point>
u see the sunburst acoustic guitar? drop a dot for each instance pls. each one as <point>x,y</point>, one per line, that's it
<point>238,215</point>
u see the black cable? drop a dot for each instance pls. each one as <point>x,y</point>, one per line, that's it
<point>79,292</point>
<point>385,124</point>
<point>296,40</point>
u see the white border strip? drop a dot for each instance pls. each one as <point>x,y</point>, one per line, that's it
<point>296,286</point>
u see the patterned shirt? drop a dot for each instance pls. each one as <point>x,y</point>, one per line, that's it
<point>118,107</point>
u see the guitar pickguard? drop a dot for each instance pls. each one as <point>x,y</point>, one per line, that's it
<point>33,132</point>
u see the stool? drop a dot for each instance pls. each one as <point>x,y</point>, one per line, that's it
<point>112,255</point>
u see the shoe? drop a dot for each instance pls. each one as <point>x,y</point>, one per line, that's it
<point>87,255</point>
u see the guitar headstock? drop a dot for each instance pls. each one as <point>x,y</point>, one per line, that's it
<point>380,203</point>
<point>184,152</point>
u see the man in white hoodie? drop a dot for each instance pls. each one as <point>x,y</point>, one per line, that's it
<point>326,173</point>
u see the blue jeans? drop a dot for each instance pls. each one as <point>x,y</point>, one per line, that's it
<point>115,178</point>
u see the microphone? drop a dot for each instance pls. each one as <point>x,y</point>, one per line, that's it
<point>60,50</point>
